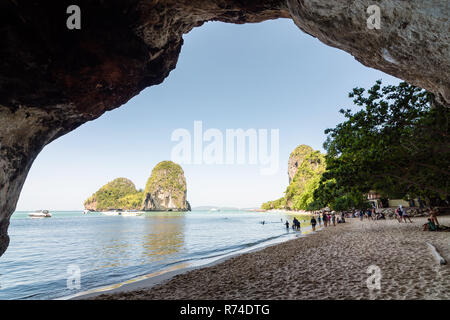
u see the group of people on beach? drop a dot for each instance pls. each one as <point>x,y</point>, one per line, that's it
<point>369,214</point>
<point>295,224</point>
<point>331,218</point>
<point>326,217</point>
<point>402,214</point>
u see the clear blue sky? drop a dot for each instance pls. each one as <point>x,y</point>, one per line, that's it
<point>269,75</point>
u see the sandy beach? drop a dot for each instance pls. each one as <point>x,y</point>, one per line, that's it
<point>329,264</point>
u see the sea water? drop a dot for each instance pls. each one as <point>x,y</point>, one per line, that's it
<point>106,250</point>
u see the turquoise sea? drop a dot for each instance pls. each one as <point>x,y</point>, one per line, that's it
<point>112,249</point>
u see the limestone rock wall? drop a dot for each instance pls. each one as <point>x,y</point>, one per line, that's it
<point>296,158</point>
<point>166,189</point>
<point>53,79</point>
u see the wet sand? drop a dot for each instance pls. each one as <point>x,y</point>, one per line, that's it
<point>329,264</point>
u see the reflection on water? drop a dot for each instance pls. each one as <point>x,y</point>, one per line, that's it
<point>144,239</point>
<point>164,236</point>
<point>114,249</point>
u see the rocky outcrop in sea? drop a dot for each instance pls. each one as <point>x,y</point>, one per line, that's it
<point>166,189</point>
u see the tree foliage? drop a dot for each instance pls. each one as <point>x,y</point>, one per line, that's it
<point>120,193</point>
<point>397,144</point>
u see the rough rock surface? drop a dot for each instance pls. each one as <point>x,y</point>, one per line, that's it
<point>296,158</point>
<point>299,193</point>
<point>53,79</point>
<point>166,189</point>
<point>305,168</point>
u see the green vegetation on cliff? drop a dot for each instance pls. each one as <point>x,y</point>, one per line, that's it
<point>120,193</point>
<point>131,201</point>
<point>165,191</point>
<point>301,152</point>
<point>275,204</point>
<point>166,188</point>
<point>165,175</point>
<point>299,195</point>
<point>296,158</point>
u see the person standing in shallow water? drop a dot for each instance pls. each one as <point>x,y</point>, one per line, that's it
<point>325,220</point>
<point>319,219</point>
<point>287,224</point>
<point>294,223</point>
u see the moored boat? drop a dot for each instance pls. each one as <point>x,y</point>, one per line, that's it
<point>40,214</point>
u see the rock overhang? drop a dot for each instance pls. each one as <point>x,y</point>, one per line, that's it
<point>59,78</point>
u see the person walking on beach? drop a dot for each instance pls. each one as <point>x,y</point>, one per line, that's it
<point>319,219</point>
<point>333,219</point>
<point>405,215</point>
<point>313,223</point>
<point>361,215</point>
<point>325,220</point>
<point>369,214</point>
<point>399,212</point>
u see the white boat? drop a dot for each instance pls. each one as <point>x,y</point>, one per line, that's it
<point>40,214</point>
<point>214,209</point>
<point>123,213</point>
<point>86,211</point>
<point>111,213</point>
<point>131,213</point>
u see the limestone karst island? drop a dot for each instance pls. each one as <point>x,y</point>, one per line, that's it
<point>224,154</point>
<point>165,191</point>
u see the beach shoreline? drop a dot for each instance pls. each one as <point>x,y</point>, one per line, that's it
<point>150,280</point>
<point>331,264</point>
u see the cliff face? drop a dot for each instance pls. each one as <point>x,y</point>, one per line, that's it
<point>296,158</point>
<point>53,79</point>
<point>120,193</point>
<point>299,193</point>
<point>305,169</point>
<point>166,189</point>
